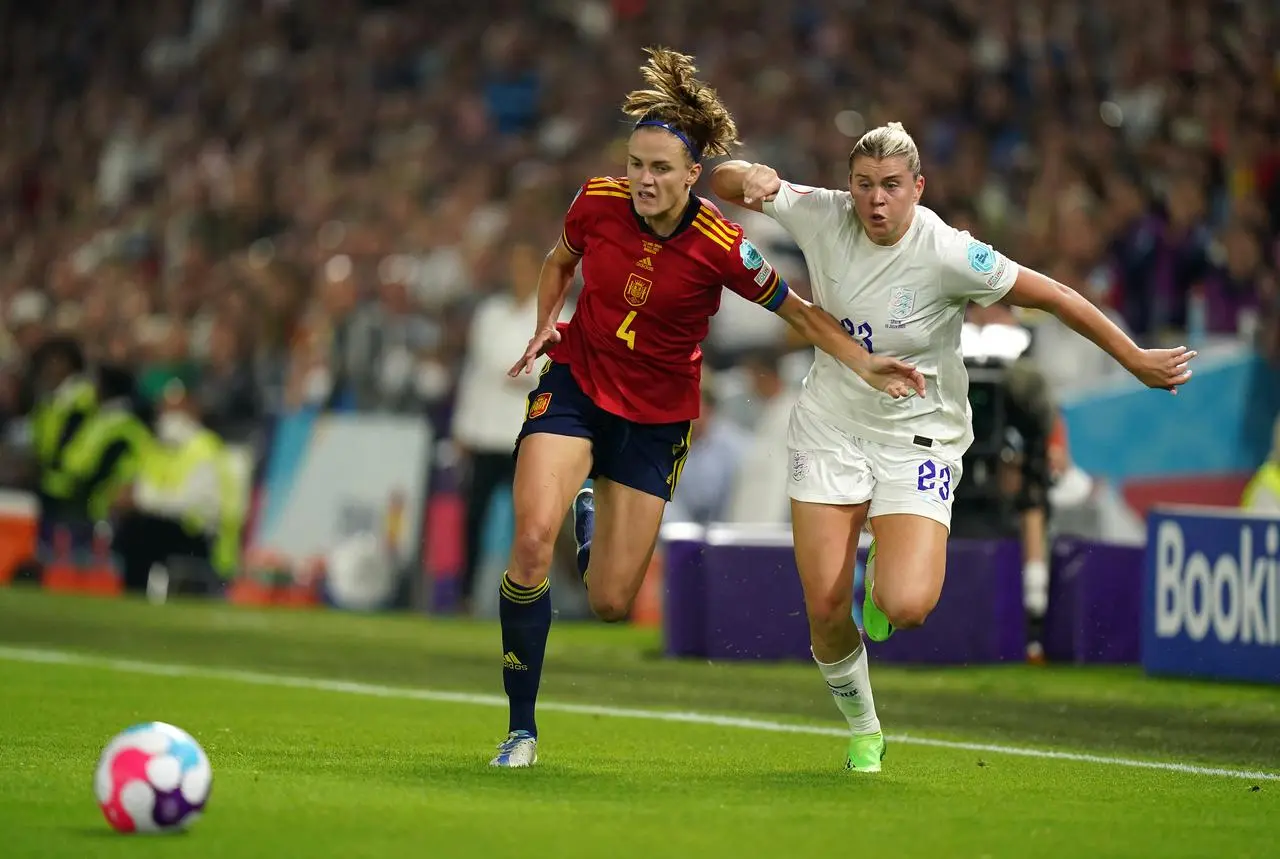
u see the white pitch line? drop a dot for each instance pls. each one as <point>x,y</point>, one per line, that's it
<point>59,657</point>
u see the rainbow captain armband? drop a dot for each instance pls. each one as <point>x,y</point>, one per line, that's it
<point>774,294</point>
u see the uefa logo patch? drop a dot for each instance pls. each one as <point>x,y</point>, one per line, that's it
<point>982,258</point>
<point>751,257</point>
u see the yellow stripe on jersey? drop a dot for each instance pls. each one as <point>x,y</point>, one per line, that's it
<point>771,290</point>
<point>716,225</point>
<point>714,236</point>
<point>608,182</point>
<point>717,219</point>
<point>564,239</point>
<point>607,186</point>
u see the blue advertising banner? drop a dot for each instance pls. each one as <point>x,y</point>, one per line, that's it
<point>1211,595</point>
<point>1234,398</point>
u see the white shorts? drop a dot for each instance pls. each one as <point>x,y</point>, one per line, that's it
<point>830,466</point>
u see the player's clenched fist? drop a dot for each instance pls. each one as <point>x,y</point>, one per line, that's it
<point>760,183</point>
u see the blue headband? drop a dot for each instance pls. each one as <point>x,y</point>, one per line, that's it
<point>688,144</point>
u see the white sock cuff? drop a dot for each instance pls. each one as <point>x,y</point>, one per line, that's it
<point>840,665</point>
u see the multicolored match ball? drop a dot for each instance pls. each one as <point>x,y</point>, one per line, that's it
<point>152,777</point>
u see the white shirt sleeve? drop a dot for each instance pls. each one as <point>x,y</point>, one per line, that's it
<point>804,211</point>
<point>974,271</point>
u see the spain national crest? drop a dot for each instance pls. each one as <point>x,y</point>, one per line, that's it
<point>637,290</point>
<point>538,405</point>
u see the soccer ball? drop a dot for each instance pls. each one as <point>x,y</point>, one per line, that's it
<point>152,777</point>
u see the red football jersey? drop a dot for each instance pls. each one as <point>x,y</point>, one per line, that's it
<point>633,343</point>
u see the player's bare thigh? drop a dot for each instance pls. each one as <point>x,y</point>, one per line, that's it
<point>550,469</point>
<point>826,546</point>
<point>627,522</point>
<point>910,565</point>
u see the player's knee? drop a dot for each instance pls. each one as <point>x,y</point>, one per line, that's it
<point>829,609</point>
<point>531,552</point>
<point>908,610</point>
<point>609,606</point>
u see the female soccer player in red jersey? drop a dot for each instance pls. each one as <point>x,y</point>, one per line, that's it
<point>617,396</point>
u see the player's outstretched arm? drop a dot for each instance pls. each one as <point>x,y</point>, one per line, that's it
<point>891,375</point>
<point>1155,368</point>
<point>553,288</point>
<point>744,184</point>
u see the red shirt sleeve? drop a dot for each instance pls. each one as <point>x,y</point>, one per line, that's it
<point>576,221</point>
<point>580,220</point>
<point>750,275</point>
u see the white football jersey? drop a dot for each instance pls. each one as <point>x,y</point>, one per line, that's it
<point>906,301</point>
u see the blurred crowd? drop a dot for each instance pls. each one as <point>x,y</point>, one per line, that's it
<point>344,204</point>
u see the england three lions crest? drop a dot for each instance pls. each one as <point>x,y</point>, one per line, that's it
<point>637,290</point>
<point>902,302</point>
<point>801,465</point>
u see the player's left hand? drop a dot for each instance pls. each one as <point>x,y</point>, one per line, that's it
<point>1163,368</point>
<point>895,377</point>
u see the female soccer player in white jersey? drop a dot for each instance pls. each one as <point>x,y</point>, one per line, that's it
<point>898,277</point>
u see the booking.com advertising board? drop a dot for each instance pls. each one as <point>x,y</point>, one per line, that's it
<point>1212,595</point>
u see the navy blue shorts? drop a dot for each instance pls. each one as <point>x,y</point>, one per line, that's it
<point>647,457</point>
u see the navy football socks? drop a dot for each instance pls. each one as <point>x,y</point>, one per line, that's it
<point>525,613</point>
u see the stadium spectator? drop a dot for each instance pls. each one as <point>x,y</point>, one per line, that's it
<point>760,492</point>
<point>228,392</point>
<point>491,404</point>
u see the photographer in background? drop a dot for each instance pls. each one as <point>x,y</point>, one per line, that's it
<point>184,504</point>
<point>1005,489</point>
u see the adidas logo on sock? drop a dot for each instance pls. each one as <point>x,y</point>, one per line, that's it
<point>512,662</point>
<point>845,691</point>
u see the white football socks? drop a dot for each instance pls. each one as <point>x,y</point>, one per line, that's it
<point>850,685</point>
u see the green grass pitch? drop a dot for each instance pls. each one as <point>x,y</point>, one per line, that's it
<point>335,735</point>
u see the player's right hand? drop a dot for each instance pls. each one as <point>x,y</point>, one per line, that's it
<point>760,183</point>
<point>541,342</point>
